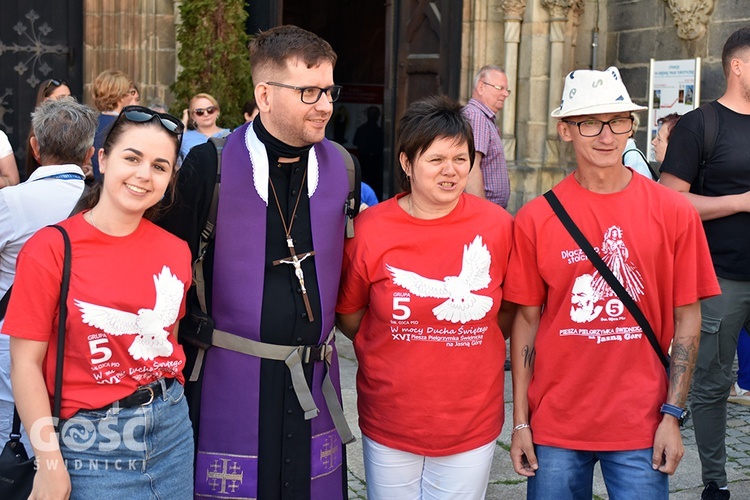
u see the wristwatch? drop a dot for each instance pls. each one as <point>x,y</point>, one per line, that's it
<point>679,413</point>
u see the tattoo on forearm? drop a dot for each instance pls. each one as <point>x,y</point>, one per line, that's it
<point>681,370</point>
<point>529,354</point>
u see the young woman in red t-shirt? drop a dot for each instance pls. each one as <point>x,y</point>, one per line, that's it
<point>124,422</point>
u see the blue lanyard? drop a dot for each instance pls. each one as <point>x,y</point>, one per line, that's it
<point>66,176</point>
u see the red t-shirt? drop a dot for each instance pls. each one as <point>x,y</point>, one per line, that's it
<point>125,297</point>
<point>430,351</point>
<point>597,383</point>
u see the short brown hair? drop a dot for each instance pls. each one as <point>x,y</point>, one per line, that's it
<point>669,121</point>
<point>109,88</point>
<point>271,49</point>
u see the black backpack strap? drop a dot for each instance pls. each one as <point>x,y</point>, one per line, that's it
<point>353,171</point>
<point>710,132</point>
<point>606,273</point>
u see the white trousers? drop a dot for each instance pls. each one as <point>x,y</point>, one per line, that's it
<point>395,474</point>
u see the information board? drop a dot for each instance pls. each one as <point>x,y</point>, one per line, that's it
<point>674,87</point>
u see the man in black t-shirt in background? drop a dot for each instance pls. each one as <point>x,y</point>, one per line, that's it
<point>720,191</point>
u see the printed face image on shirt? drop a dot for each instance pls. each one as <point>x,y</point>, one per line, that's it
<point>462,305</point>
<point>584,300</point>
<point>592,300</point>
<point>148,325</point>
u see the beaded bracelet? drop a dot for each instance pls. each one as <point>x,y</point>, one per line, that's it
<point>519,427</point>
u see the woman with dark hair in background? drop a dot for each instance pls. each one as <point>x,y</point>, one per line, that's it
<point>666,124</point>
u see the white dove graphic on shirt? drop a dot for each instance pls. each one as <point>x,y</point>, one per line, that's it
<point>462,305</point>
<point>148,325</point>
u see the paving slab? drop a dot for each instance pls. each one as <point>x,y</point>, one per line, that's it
<point>505,484</point>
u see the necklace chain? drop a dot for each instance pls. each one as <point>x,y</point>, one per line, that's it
<point>91,219</point>
<point>288,229</point>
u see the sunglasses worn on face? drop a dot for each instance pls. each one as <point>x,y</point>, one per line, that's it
<point>139,114</point>
<point>209,110</point>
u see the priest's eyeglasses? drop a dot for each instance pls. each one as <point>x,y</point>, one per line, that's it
<point>592,128</point>
<point>311,95</point>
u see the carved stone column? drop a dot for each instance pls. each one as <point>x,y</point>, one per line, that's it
<point>691,17</point>
<point>514,10</point>
<point>558,11</point>
<point>482,35</point>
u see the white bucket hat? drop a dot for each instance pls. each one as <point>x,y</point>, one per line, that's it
<point>589,92</point>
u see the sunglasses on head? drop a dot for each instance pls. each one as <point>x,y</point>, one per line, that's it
<point>140,114</point>
<point>56,83</point>
<point>209,110</point>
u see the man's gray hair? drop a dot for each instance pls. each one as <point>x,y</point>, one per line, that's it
<point>65,131</point>
<point>482,73</point>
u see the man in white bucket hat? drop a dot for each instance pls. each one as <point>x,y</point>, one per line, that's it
<point>600,391</point>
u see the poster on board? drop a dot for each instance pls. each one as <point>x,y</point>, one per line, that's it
<point>674,87</point>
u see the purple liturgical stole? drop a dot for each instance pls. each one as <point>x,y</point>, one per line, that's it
<point>227,459</point>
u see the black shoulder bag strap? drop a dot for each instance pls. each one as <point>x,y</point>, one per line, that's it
<point>4,302</point>
<point>606,273</point>
<point>15,432</point>
<point>710,132</point>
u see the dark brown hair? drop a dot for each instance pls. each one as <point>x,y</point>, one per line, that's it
<point>670,121</point>
<point>429,119</point>
<point>118,128</point>
<point>271,49</point>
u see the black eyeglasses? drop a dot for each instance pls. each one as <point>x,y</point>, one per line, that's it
<point>209,110</point>
<point>498,87</point>
<point>311,95</point>
<point>56,83</point>
<point>139,114</point>
<point>592,128</point>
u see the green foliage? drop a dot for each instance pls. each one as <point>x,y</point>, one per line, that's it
<point>213,55</point>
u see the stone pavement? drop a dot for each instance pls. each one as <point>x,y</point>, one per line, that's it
<point>505,484</point>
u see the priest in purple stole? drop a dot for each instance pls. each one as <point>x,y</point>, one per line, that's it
<point>270,425</point>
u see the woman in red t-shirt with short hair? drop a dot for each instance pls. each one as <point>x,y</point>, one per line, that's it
<point>421,298</point>
<point>124,422</point>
